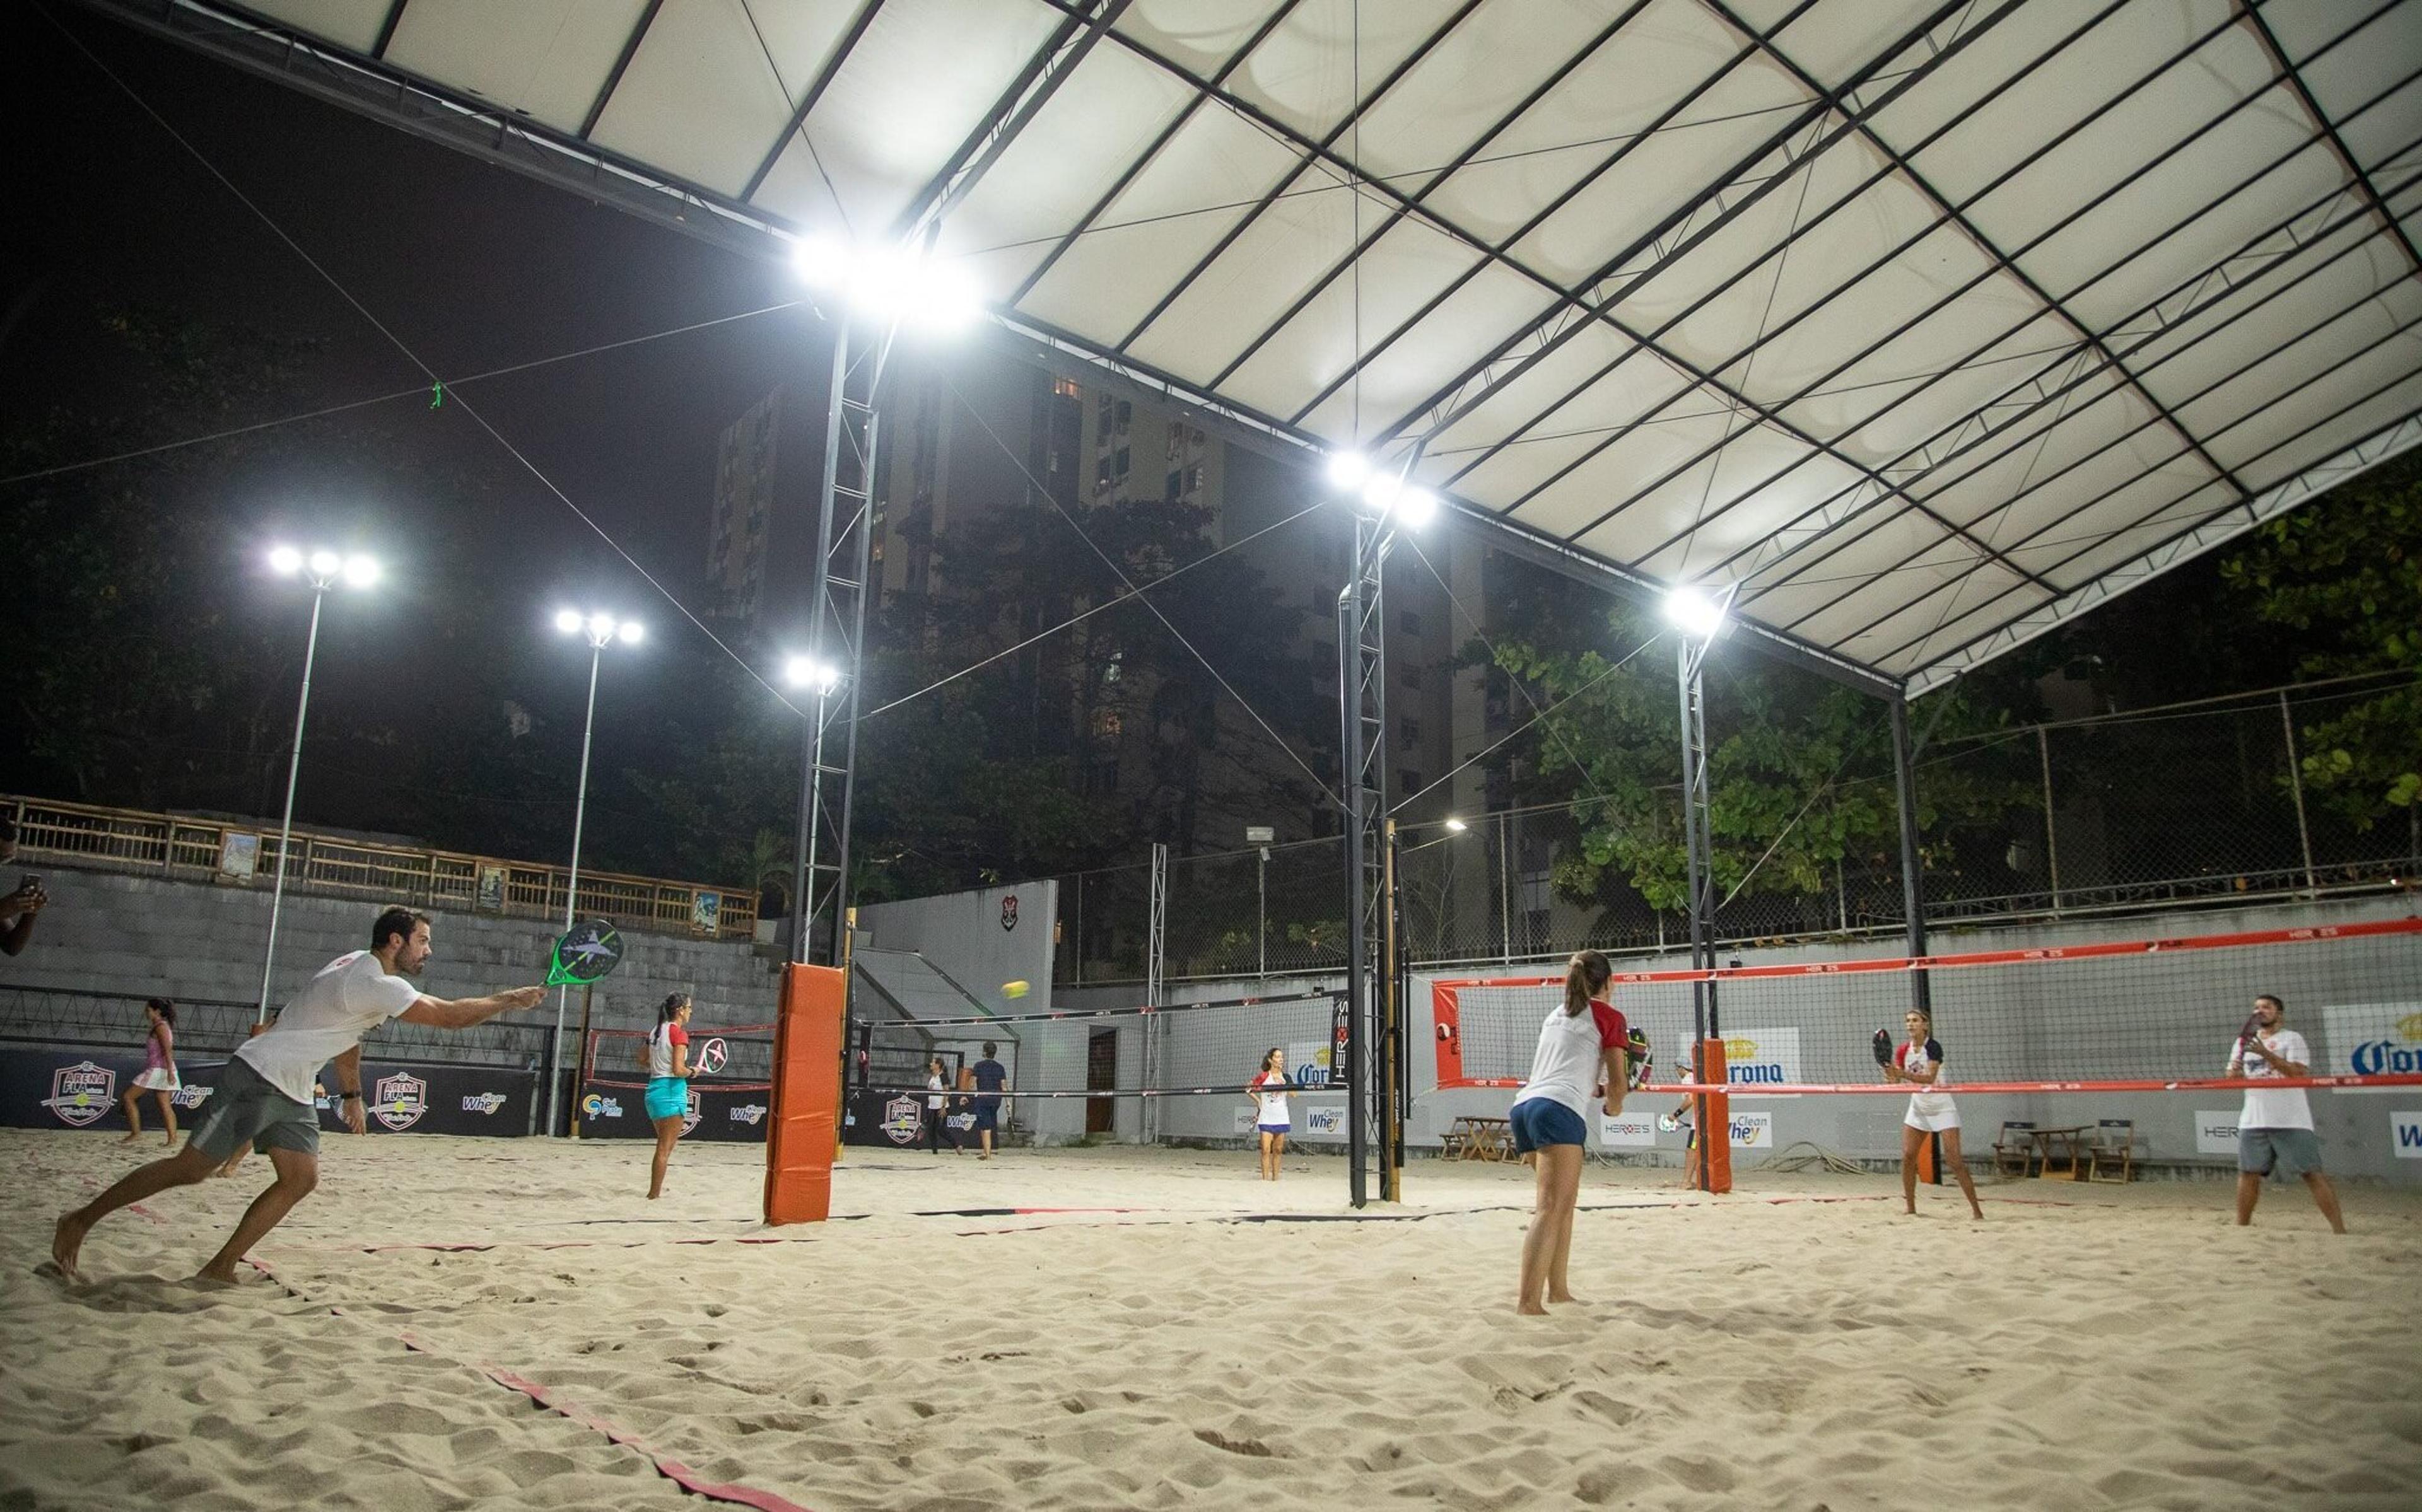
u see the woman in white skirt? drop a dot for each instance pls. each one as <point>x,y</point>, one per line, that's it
<point>159,1074</point>
<point>1919,1060</point>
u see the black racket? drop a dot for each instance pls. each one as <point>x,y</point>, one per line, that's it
<point>2249,1032</point>
<point>585,954</point>
<point>1882,1045</point>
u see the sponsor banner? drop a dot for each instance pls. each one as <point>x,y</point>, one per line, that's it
<point>1753,1131</point>
<point>1325,1121</point>
<point>621,1113</point>
<point>2371,1039</point>
<point>1246,1120</point>
<point>2405,1135</point>
<point>2216,1131</point>
<point>1309,1063</point>
<point>78,1088</point>
<point>1633,1130</point>
<point>1755,1055</point>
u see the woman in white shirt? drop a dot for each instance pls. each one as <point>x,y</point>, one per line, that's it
<point>938,1108</point>
<point>667,1098</point>
<point>1582,1049</point>
<point>1931,1112</point>
<point>1268,1089</point>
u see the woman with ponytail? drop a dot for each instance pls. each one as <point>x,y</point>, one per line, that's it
<point>667,1094</point>
<point>1582,1049</point>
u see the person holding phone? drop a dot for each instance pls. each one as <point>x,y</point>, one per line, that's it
<point>18,908</point>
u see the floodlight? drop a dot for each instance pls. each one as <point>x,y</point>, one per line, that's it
<point>568,621</point>
<point>1455,826</point>
<point>806,672</point>
<point>1379,491</point>
<point>1691,612</point>
<point>360,571</point>
<point>1415,507</point>
<point>285,561</point>
<point>1348,471</point>
<point>601,626</point>
<point>629,631</point>
<point>326,563</point>
<point>820,261</point>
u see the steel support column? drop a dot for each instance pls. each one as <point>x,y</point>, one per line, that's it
<point>845,522</point>
<point>1363,704</point>
<point>1697,845</point>
<point>1912,895</point>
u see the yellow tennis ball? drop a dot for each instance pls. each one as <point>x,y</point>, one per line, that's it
<point>1016,989</point>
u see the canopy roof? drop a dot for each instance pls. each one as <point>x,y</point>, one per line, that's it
<point>1927,325</point>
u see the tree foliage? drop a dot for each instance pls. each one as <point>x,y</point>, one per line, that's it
<point>2345,574</point>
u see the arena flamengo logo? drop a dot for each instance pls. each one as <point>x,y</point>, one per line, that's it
<point>401,1100</point>
<point>80,1094</point>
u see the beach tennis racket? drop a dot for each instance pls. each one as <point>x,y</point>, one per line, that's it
<point>2248,1032</point>
<point>1636,1051</point>
<point>1882,1047</point>
<point>588,951</point>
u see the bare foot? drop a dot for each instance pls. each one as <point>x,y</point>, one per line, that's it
<point>654,1195</point>
<point>1977,1214</point>
<point>1561,1297</point>
<point>67,1242</point>
<point>1530,1310</point>
<point>210,1280</point>
<point>131,1138</point>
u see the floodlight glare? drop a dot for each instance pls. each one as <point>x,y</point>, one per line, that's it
<point>1348,471</point>
<point>601,627</point>
<point>952,301</point>
<point>820,261</point>
<point>806,672</point>
<point>1693,613</point>
<point>629,632</point>
<point>1455,826</point>
<point>1379,491</point>
<point>360,571</point>
<point>285,561</point>
<point>326,563</point>
<point>568,621</point>
<point>1415,507</point>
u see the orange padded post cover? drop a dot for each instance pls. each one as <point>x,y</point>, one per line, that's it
<point>1715,1119</point>
<point>1448,1014</point>
<point>807,1096</point>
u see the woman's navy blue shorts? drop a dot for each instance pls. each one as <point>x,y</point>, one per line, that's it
<point>1544,1121</point>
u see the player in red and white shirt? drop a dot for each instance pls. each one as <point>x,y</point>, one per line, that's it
<point>1582,1049</point>
<point>667,1098</point>
<point>1919,1061</point>
<point>1268,1089</point>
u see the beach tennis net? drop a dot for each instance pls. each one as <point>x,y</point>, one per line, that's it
<point>2147,1015</point>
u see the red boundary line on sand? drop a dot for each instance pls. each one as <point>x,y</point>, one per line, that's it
<point>1894,1089</point>
<point>672,1470</point>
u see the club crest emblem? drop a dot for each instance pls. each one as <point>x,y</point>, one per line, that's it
<point>401,1100</point>
<point>80,1094</point>
<point>902,1121</point>
<point>1009,911</point>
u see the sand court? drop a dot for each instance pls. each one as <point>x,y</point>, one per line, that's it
<point>1112,1327</point>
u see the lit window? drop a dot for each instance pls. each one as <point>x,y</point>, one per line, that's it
<point>1064,387</point>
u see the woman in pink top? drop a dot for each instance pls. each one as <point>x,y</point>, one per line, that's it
<point>159,1074</point>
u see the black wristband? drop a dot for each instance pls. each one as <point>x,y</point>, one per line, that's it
<point>355,1093</point>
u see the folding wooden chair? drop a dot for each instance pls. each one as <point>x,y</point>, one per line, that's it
<point>2111,1157</point>
<point>2015,1144</point>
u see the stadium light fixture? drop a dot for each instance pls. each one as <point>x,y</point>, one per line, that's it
<point>602,629</point>
<point>821,677</point>
<point>1690,610</point>
<point>890,283</point>
<point>1348,471</point>
<point>1455,826</point>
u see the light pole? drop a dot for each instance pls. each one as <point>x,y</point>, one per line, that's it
<point>324,569</point>
<point>1698,620</point>
<point>602,629</point>
<point>821,677</point>
<point>1261,835</point>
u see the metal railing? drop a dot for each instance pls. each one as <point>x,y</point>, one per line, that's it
<point>209,1029</point>
<point>240,856</point>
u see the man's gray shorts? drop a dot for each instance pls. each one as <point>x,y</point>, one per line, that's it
<point>247,1113</point>
<point>2286,1151</point>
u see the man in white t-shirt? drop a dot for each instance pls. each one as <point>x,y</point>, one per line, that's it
<point>2276,1129</point>
<point>263,1098</point>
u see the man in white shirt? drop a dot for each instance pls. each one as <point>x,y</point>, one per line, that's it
<point>2275,1128</point>
<point>263,1098</point>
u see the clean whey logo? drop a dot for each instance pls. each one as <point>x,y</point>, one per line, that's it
<point>747,1113</point>
<point>483,1102</point>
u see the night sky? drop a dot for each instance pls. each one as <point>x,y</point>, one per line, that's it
<point>472,266</point>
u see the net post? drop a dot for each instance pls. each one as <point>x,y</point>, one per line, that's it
<point>801,1144</point>
<point>587,1054</point>
<point>1715,1112</point>
<point>1912,895</point>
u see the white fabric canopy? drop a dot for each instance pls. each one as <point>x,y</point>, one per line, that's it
<point>1927,325</point>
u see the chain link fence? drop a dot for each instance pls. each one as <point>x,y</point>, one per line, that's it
<point>2103,813</point>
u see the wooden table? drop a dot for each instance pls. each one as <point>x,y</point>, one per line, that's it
<point>1480,1139</point>
<point>2073,1138</point>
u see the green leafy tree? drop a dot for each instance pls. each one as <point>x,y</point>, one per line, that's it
<point>2345,573</point>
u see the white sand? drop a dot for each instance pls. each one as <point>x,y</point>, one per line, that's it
<point>2085,1348</point>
